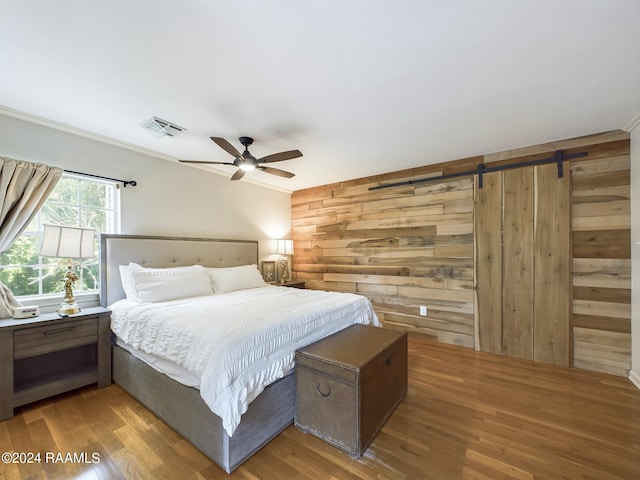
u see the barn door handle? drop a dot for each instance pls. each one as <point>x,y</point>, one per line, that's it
<point>320,391</point>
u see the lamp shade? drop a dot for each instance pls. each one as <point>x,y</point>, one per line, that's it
<point>67,242</point>
<point>284,247</point>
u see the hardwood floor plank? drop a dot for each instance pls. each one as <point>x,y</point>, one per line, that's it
<point>467,415</point>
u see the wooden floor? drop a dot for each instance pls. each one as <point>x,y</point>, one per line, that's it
<point>467,415</point>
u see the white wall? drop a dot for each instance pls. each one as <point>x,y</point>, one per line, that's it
<point>170,198</point>
<point>635,256</point>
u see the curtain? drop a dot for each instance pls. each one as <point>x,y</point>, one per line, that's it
<point>24,187</point>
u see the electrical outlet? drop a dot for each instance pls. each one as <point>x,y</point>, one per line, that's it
<point>423,310</point>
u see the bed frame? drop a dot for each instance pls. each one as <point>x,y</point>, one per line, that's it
<point>181,407</point>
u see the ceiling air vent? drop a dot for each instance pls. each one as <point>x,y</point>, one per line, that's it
<point>159,128</point>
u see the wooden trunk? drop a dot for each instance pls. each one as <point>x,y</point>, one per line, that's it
<point>348,384</point>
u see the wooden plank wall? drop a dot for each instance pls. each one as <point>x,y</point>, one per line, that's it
<point>413,245</point>
<point>402,248</point>
<point>602,259</point>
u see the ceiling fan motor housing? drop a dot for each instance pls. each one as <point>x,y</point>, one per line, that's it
<point>246,141</point>
<point>247,162</point>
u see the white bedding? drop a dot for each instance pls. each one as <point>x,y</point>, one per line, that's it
<point>170,369</point>
<point>239,342</point>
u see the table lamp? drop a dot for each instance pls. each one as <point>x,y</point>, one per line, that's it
<point>69,243</point>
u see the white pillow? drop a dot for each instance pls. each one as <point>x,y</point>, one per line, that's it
<point>230,279</point>
<point>127,282</point>
<point>161,284</point>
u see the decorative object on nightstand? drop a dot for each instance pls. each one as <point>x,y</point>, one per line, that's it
<point>69,243</point>
<point>284,247</point>
<point>269,271</point>
<point>28,311</point>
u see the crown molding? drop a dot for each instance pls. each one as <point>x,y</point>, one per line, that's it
<point>632,123</point>
<point>27,117</point>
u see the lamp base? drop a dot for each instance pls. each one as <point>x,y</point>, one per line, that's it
<point>66,309</point>
<point>284,270</point>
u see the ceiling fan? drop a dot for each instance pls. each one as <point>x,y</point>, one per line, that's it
<point>247,162</point>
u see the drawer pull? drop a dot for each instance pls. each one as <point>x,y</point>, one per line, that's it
<point>388,360</point>
<point>59,330</point>
<point>320,391</point>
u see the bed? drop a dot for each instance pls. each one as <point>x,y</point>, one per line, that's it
<point>229,443</point>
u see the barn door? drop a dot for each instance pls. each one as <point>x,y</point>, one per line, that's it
<point>523,264</point>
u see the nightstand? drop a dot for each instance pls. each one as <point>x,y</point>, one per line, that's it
<point>47,355</point>
<point>292,283</point>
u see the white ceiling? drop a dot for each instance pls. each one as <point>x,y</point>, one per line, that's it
<point>359,86</point>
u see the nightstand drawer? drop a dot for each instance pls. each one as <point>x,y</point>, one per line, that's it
<point>51,338</point>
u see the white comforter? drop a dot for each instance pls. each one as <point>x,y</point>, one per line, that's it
<point>239,342</point>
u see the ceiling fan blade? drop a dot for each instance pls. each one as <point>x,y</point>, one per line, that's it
<point>279,157</point>
<point>206,162</point>
<point>226,146</point>
<point>276,171</point>
<point>238,175</point>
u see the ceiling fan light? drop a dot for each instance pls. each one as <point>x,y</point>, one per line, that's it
<point>247,167</point>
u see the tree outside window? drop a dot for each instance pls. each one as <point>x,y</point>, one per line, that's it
<point>76,201</point>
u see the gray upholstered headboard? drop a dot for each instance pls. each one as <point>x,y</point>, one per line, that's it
<point>153,251</point>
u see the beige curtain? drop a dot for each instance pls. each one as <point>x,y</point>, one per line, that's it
<point>24,187</point>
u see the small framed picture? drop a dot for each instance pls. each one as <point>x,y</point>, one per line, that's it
<point>269,272</point>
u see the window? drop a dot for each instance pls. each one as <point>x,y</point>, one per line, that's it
<point>76,201</point>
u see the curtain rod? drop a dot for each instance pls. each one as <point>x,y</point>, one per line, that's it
<point>558,158</point>
<point>133,183</point>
